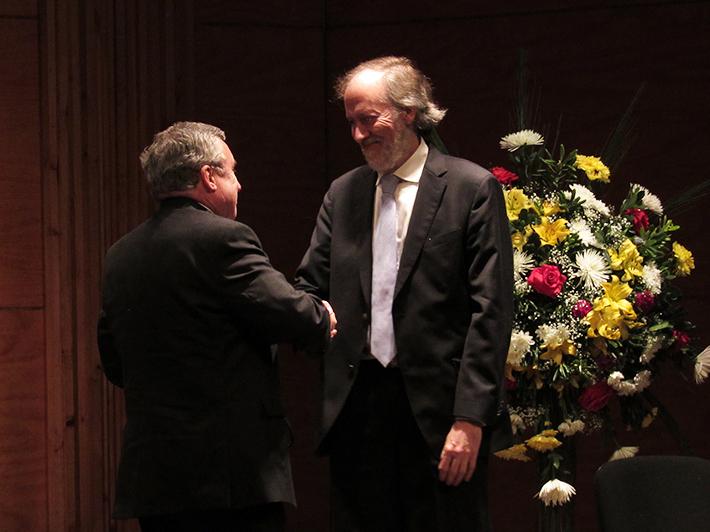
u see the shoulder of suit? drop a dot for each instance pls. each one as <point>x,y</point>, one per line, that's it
<point>353,178</point>
<point>464,168</point>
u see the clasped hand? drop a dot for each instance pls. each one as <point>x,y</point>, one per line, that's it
<point>333,319</point>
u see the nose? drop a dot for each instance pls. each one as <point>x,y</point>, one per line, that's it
<point>359,133</point>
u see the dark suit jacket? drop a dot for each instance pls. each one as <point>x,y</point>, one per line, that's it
<point>453,298</point>
<point>191,306</point>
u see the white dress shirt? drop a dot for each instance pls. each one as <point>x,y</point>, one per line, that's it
<point>405,193</point>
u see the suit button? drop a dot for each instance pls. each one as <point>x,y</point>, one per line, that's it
<point>366,317</point>
<point>351,370</point>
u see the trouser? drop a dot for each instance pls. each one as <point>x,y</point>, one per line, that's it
<point>384,476</point>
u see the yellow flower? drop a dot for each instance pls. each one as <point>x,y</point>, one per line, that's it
<point>612,315</point>
<point>684,258</point>
<point>550,207</point>
<point>516,452</point>
<point>555,352</point>
<point>521,238</point>
<point>595,169</point>
<point>545,441</point>
<point>628,259</point>
<point>551,232</point>
<point>516,201</point>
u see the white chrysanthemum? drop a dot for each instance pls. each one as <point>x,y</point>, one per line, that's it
<point>702,365</point>
<point>588,199</point>
<point>520,342</point>
<point>652,277</point>
<point>580,227</point>
<point>522,262</point>
<point>653,345</point>
<point>593,268</point>
<point>555,492</point>
<point>525,137</point>
<point>570,428</point>
<point>624,452</point>
<point>550,335</point>
<point>641,381</point>
<point>649,201</point>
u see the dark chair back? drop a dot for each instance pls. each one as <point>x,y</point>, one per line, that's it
<point>654,494</point>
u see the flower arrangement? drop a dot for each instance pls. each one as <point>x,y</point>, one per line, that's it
<point>595,305</point>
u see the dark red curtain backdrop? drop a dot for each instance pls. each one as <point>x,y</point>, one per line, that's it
<point>265,75</point>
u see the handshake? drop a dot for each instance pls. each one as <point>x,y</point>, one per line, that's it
<point>333,319</point>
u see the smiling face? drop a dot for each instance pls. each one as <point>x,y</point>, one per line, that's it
<point>384,133</point>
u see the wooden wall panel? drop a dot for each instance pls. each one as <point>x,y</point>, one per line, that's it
<point>372,13</point>
<point>20,195</point>
<point>23,484</point>
<point>107,88</point>
<point>19,8</point>
<point>269,99</point>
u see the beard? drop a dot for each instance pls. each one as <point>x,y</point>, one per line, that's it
<point>385,157</point>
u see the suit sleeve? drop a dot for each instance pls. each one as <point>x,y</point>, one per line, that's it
<point>490,279</point>
<point>265,301</point>
<point>313,274</point>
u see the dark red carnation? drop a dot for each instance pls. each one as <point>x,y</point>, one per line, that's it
<point>681,338</point>
<point>640,219</point>
<point>645,301</point>
<point>596,396</point>
<point>511,384</point>
<point>547,280</point>
<point>581,308</point>
<point>504,177</point>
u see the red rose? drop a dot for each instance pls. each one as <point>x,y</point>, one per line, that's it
<point>645,301</point>
<point>511,384</point>
<point>681,338</point>
<point>596,396</point>
<point>640,218</point>
<point>581,308</point>
<point>547,280</point>
<point>504,177</point>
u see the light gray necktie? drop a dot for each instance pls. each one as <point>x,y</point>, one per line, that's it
<point>384,273</point>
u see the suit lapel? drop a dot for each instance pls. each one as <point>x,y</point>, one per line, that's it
<point>431,187</point>
<point>364,200</point>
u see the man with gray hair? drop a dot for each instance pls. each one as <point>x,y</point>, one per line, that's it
<point>191,307</point>
<point>413,251</point>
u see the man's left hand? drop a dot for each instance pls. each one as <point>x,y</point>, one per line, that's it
<point>460,452</point>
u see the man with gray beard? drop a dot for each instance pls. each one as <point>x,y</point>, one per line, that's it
<point>413,251</point>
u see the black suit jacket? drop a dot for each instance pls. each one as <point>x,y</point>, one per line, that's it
<point>453,298</point>
<point>191,306</point>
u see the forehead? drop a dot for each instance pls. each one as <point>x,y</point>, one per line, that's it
<point>365,92</point>
<point>228,157</point>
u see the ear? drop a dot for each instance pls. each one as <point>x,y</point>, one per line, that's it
<point>207,177</point>
<point>409,115</point>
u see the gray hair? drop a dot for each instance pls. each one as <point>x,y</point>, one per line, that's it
<point>406,87</point>
<point>172,162</point>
